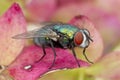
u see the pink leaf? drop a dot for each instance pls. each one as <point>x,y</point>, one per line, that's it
<point>26,68</point>
<point>11,23</point>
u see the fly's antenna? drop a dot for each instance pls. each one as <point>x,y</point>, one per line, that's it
<point>88,37</point>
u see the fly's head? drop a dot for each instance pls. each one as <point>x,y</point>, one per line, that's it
<point>82,38</point>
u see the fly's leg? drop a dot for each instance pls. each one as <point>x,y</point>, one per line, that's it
<point>73,51</point>
<point>88,38</point>
<point>72,47</point>
<point>86,56</point>
<point>54,54</point>
<point>44,53</point>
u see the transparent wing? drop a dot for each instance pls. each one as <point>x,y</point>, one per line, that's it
<point>36,33</point>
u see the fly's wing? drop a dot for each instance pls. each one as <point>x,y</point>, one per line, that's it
<point>37,33</point>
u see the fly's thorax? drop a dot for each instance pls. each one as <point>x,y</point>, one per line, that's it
<point>66,34</point>
<point>65,29</point>
<point>81,38</point>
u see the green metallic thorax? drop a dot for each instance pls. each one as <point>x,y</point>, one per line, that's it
<point>66,33</point>
<point>67,30</point>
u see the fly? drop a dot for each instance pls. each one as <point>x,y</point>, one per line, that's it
<point>59,35</point>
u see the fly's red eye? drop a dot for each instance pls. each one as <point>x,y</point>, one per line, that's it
<point>78,38</point>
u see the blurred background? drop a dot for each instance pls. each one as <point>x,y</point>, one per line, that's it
<point>105,15</point>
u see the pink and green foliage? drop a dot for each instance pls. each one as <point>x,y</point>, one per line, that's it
<point>20,58</point>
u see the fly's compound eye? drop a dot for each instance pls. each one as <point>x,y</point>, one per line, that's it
<point>78,38</point>
<point>82,38</point>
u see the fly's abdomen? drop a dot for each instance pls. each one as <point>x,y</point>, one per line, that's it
<point>41,41</point>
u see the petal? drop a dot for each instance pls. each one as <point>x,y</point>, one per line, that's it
<point>113,66</point>
<point>95,48</point>
<point>117,48</point>
<point>11,23</point>
<point>61,3</point>
<point>40,10</point>
<point>6,4</point>
<point>105,69</point>
<point>113,5</point>
<point>26,68</point>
